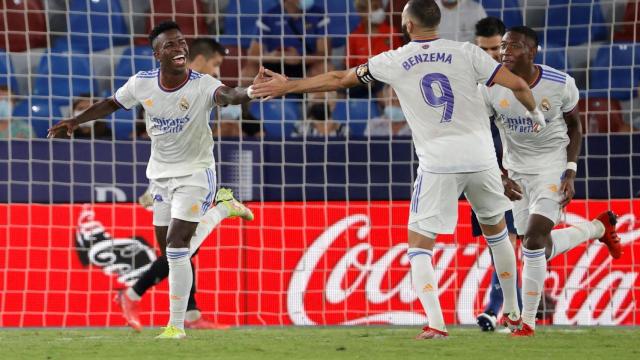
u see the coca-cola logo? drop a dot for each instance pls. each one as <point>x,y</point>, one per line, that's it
<point>343,272</point>
<point>125,258</point>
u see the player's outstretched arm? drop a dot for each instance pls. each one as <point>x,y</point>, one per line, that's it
<point>523,93</point>
<point>278,85</point>
<point>97,111</point>
<point>233,96</point>
<point>516,84</point>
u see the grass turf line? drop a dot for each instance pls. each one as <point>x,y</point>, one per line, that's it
<point>320,343</point>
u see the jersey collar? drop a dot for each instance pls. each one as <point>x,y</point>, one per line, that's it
<point>175,88</point>
<point>425,40</point>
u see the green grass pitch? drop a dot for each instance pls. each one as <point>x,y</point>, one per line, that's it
<point>325,343</point>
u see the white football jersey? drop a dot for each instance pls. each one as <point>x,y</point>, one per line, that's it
<point>436,82</point>
<point>177,121</point>
<point>525,151</point>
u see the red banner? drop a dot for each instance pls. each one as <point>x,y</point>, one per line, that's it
<point>296,263</point>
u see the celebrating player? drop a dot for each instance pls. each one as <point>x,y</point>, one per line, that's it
<point>177,102</point>
<point>489,32</point>
<point>542,166</point>
<point>436,81</point>
<point>205,57</point>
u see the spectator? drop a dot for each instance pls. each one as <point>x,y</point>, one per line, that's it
<point>96,129</point>
<point>290,36</point>
<point>458,18</point>
<point>319,124</point>
<point>373,34</point>
<point>11,128</point>
<point>236,121</point>
<point>206,56</point>
<point>392,122</point>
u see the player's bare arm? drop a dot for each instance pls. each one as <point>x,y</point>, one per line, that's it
<point>97,111</point>
<point>278,85</point>
<point>226,95</point>
<point>574,130</point>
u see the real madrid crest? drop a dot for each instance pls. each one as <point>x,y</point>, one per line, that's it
<point>545,105</point>
<point>184,104</point>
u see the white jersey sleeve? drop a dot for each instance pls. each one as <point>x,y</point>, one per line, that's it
<point>487,101</point>
<point>125,95</point>
<point>570,96</point>
<point>209,85</point>
<point>484,66</point>
<point>382,67</point>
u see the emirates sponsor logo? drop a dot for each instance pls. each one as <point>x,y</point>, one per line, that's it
<point>342,270</point>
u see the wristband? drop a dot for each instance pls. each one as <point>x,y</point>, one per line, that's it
<point>572,166</point>
<point>250,92</point>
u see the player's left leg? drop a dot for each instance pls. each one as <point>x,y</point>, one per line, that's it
<point>191,198</point>
<point>485,192</point>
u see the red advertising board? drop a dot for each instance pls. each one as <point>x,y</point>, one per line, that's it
<point>296,263</point>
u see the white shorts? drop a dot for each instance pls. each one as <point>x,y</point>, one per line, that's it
<point>540,195</point>
<point>186,197</point>
<point>434,204</point>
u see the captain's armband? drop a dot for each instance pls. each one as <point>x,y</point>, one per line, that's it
<point>363,74</point>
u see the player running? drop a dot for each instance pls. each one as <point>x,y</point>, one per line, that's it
<point>177,103</point>
<point>436,81</point>
<point>542,166</point>
<point>205,57</point>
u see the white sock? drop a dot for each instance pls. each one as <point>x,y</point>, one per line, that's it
<point>566,239</point>
<point>132,295</point>
<point>426,285</point>
<point>533,275</point>
<point>504,261</point>
<point>180,280</point>
<point>208,222</point>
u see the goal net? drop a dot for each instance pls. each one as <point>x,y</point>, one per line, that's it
<point>330,187</point>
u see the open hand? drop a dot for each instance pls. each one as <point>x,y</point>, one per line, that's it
<point>537,119</point>
<point>274,86</point>
<point>68,125</point>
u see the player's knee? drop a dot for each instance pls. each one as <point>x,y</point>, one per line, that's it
<point>534,240</point>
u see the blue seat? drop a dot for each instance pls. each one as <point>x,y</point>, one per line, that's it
<point>40,112</point>
<point>356,113</point>
<point>64,74</point>
<point>97,25</point>
<point>554,57</point>
<point>343,18</point>
<point>278,116</point>
<point>614,73</point>
<point>583,19</point>
<point>248,13</point>
<point>507,10</point>
<point>6,73</point>
<point>140,58</point>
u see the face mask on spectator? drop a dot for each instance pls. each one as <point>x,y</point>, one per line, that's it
<point>377,16</point>
<point>231,112</point>
<point>394,113</point>
<point>5,109</point>
<point>305,4</point>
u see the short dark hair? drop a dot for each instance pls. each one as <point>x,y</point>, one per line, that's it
<point>528,33</point>
<point>426,12</point>
<point>489,27</point>
<point>162,27</point>
<point>206,48</point>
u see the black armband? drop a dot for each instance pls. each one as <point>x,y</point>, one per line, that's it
<point>363,73</point>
